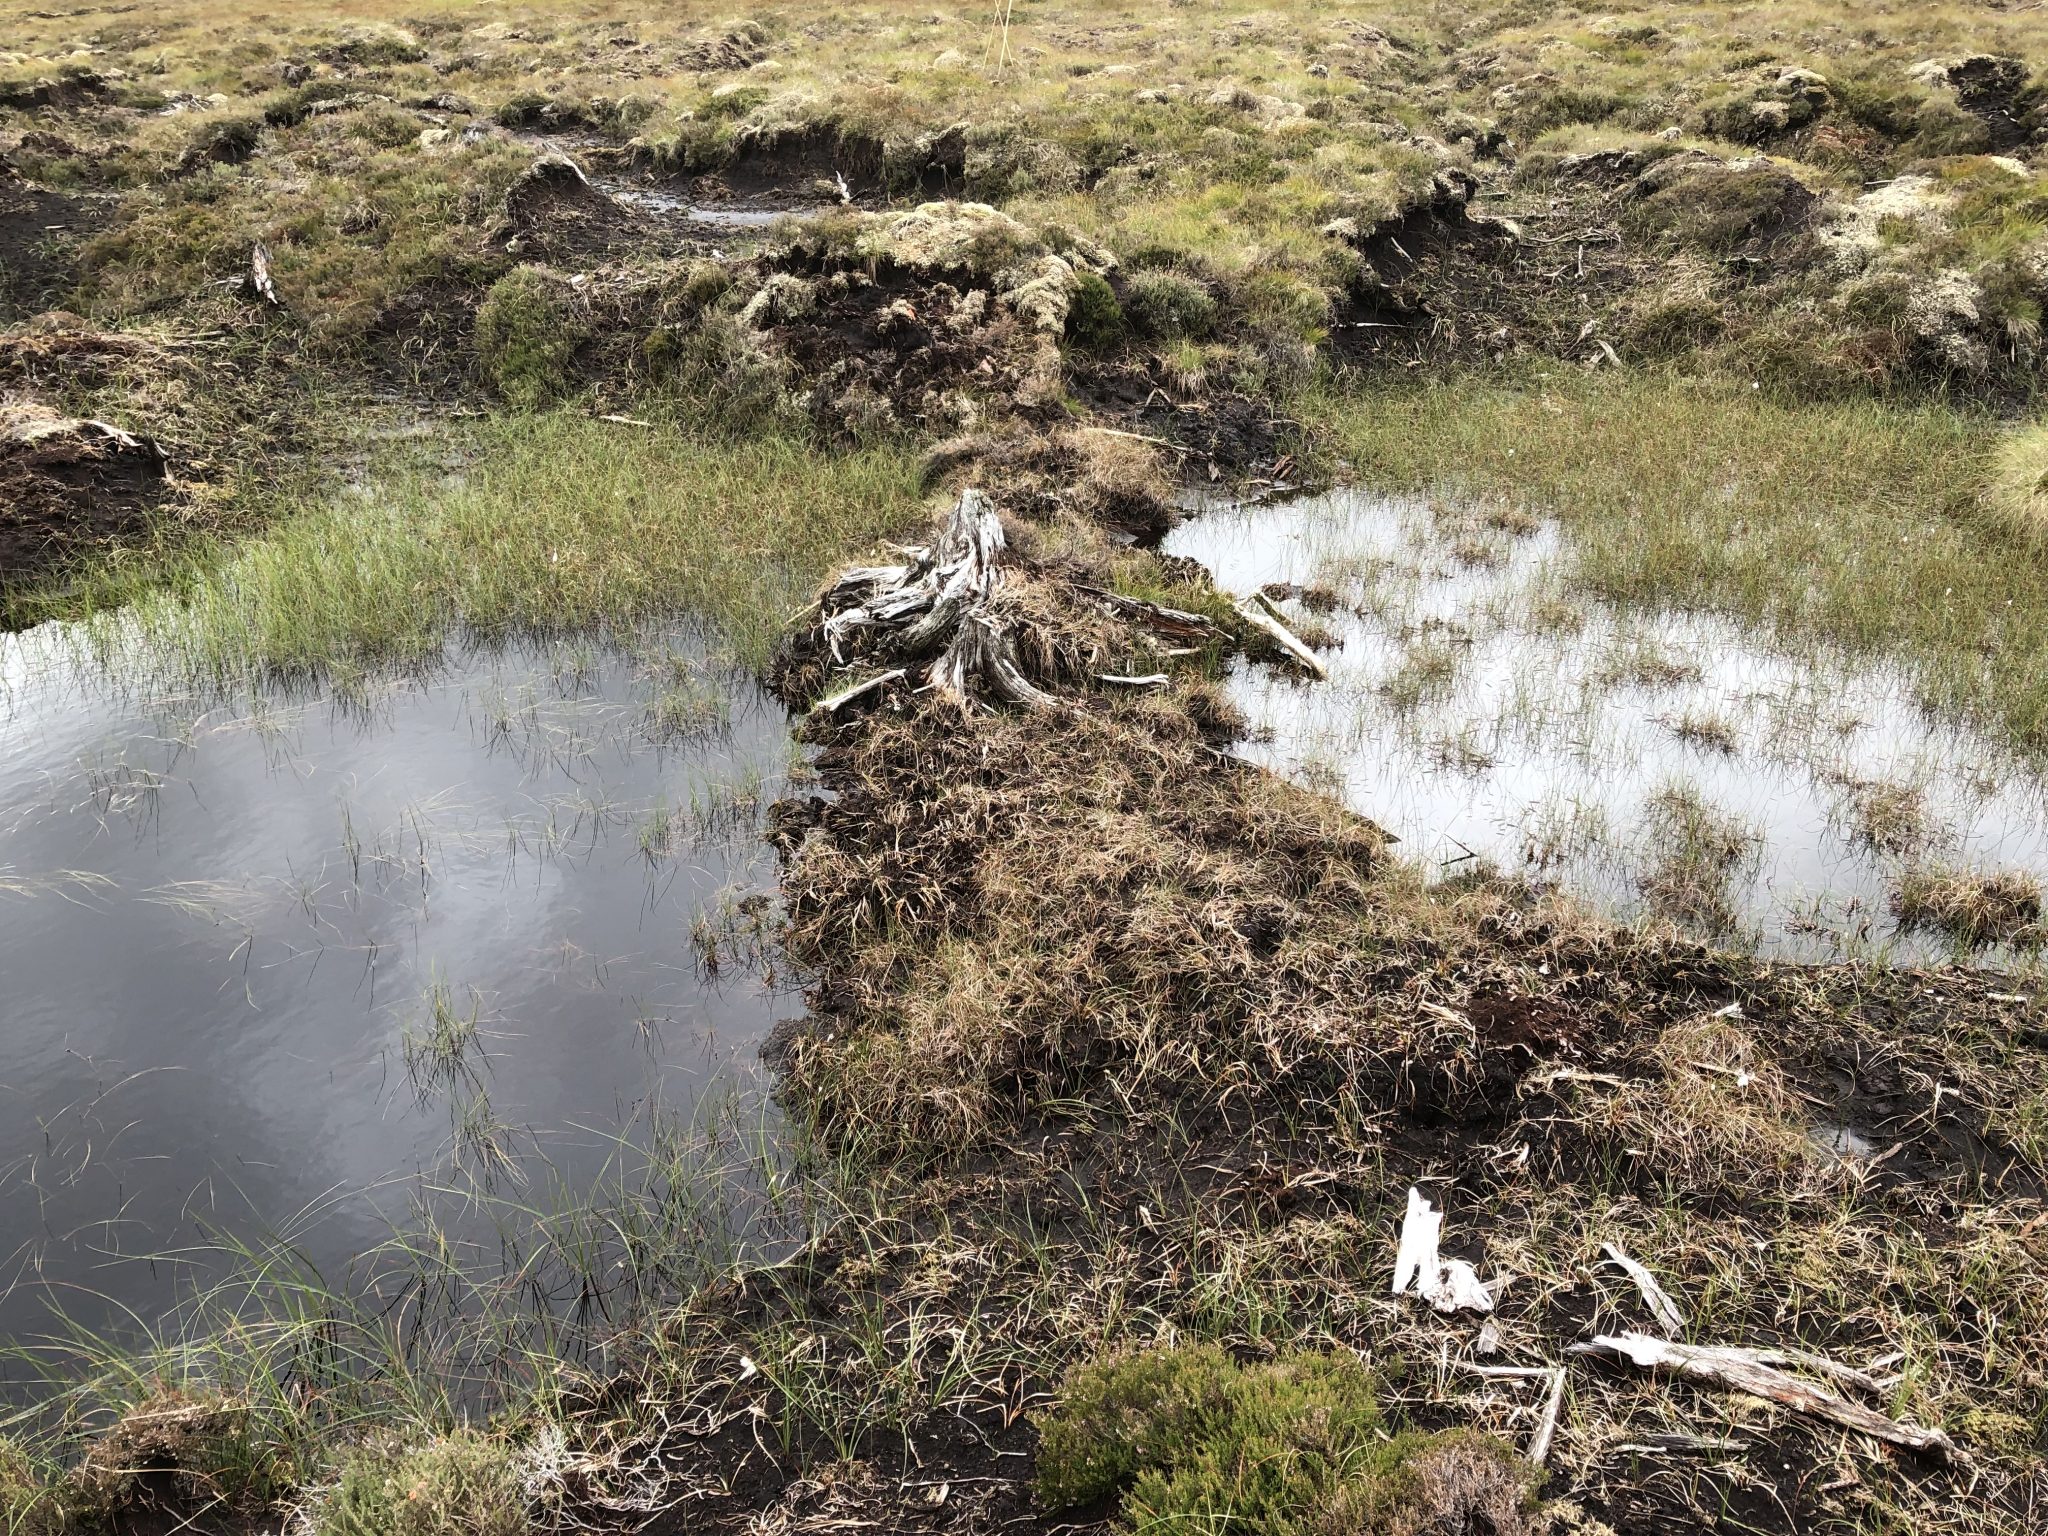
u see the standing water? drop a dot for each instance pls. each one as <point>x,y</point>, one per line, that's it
<point>269,969</point>
<point>1666,764</point>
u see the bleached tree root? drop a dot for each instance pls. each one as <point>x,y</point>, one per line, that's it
<point>939,610</point>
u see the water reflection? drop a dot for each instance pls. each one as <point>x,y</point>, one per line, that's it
<point>263,963</point>
<point>1487,715</point>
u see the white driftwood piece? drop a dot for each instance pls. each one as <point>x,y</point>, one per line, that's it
<point>941,601</point>
<point>260,280</point>
<point>832,703</point>
<point>1655,1297</point>
<point>1260,616</point>
<point>1750,1371</point>
<point>1546,1427</point>
<point>1449,1285</point>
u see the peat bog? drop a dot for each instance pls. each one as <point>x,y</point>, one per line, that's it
<point>812,769</point>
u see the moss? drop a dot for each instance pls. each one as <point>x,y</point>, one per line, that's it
<point>1295,1447</point>
<point>462,1484</point>
<point>527,336</point>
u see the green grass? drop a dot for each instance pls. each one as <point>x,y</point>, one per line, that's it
<point>1860,525</point>
<point>553,524</point>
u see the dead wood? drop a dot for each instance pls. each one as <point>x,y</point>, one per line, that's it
<point>261,283</point>
<point>942,609</point>
<point>1750,1371</point>
<point>1260,615</point>
<point>1655,1297</point>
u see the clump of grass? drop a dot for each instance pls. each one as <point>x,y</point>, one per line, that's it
<point>1295,1447</point>
<point>2018,489</point>
<point>689,708</point>
<point>1642,662</point>
<point>1723,1114</point>
<point>1706,729</point>
<point>1696,851</point>
<point>527,333</point>
<point>32,1502</point>
<point>1891,818</point>
<point>436,1050</point>
<point>460,1484</point>
<point>1428,670</point>
<point>1970,907</point>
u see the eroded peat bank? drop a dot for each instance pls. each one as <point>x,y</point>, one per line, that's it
<point>1096,767</point>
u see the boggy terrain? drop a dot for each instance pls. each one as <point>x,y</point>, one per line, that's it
<point>327,337</point>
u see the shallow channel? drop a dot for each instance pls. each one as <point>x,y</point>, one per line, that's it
<point>1491,718</point>
<point>271,966</point>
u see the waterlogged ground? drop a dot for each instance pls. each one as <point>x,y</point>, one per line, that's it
<point>1661,765</point>
<point>282,966</point>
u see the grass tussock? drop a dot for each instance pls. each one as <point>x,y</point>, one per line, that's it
<point>1696,853</point>
<point>2018,490</point>
<point>1969,907</point>
<point>460,1484</point>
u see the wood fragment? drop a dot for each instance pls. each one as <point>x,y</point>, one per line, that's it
<point>1546,1427</point>
<point>832,703</point>
<point>260,280</point>
<point>945,603</point>
<point>1175,622</point>
<point>1281,636</point>
<point>1149,680</point>
<point>1661,1306</point>
<point>1676,1445</point>
<point>1449,1285</point>
<point>1749,1371</point>
<point>1140,437</point>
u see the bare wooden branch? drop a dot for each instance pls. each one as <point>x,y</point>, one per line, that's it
<point>1149,680</point>
<point>1661,1306</point>
<point>832,703</point>
<point>1546,1427</point>
<point>1177,623</point>
<point>1743,1370</point>
<point>1677,1445</point>
<point>1270,626</point>
<point>981,658</point>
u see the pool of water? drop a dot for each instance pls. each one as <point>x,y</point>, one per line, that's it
<point>714,216</point>
<point>269,966</point>
<point>1488,716</point>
